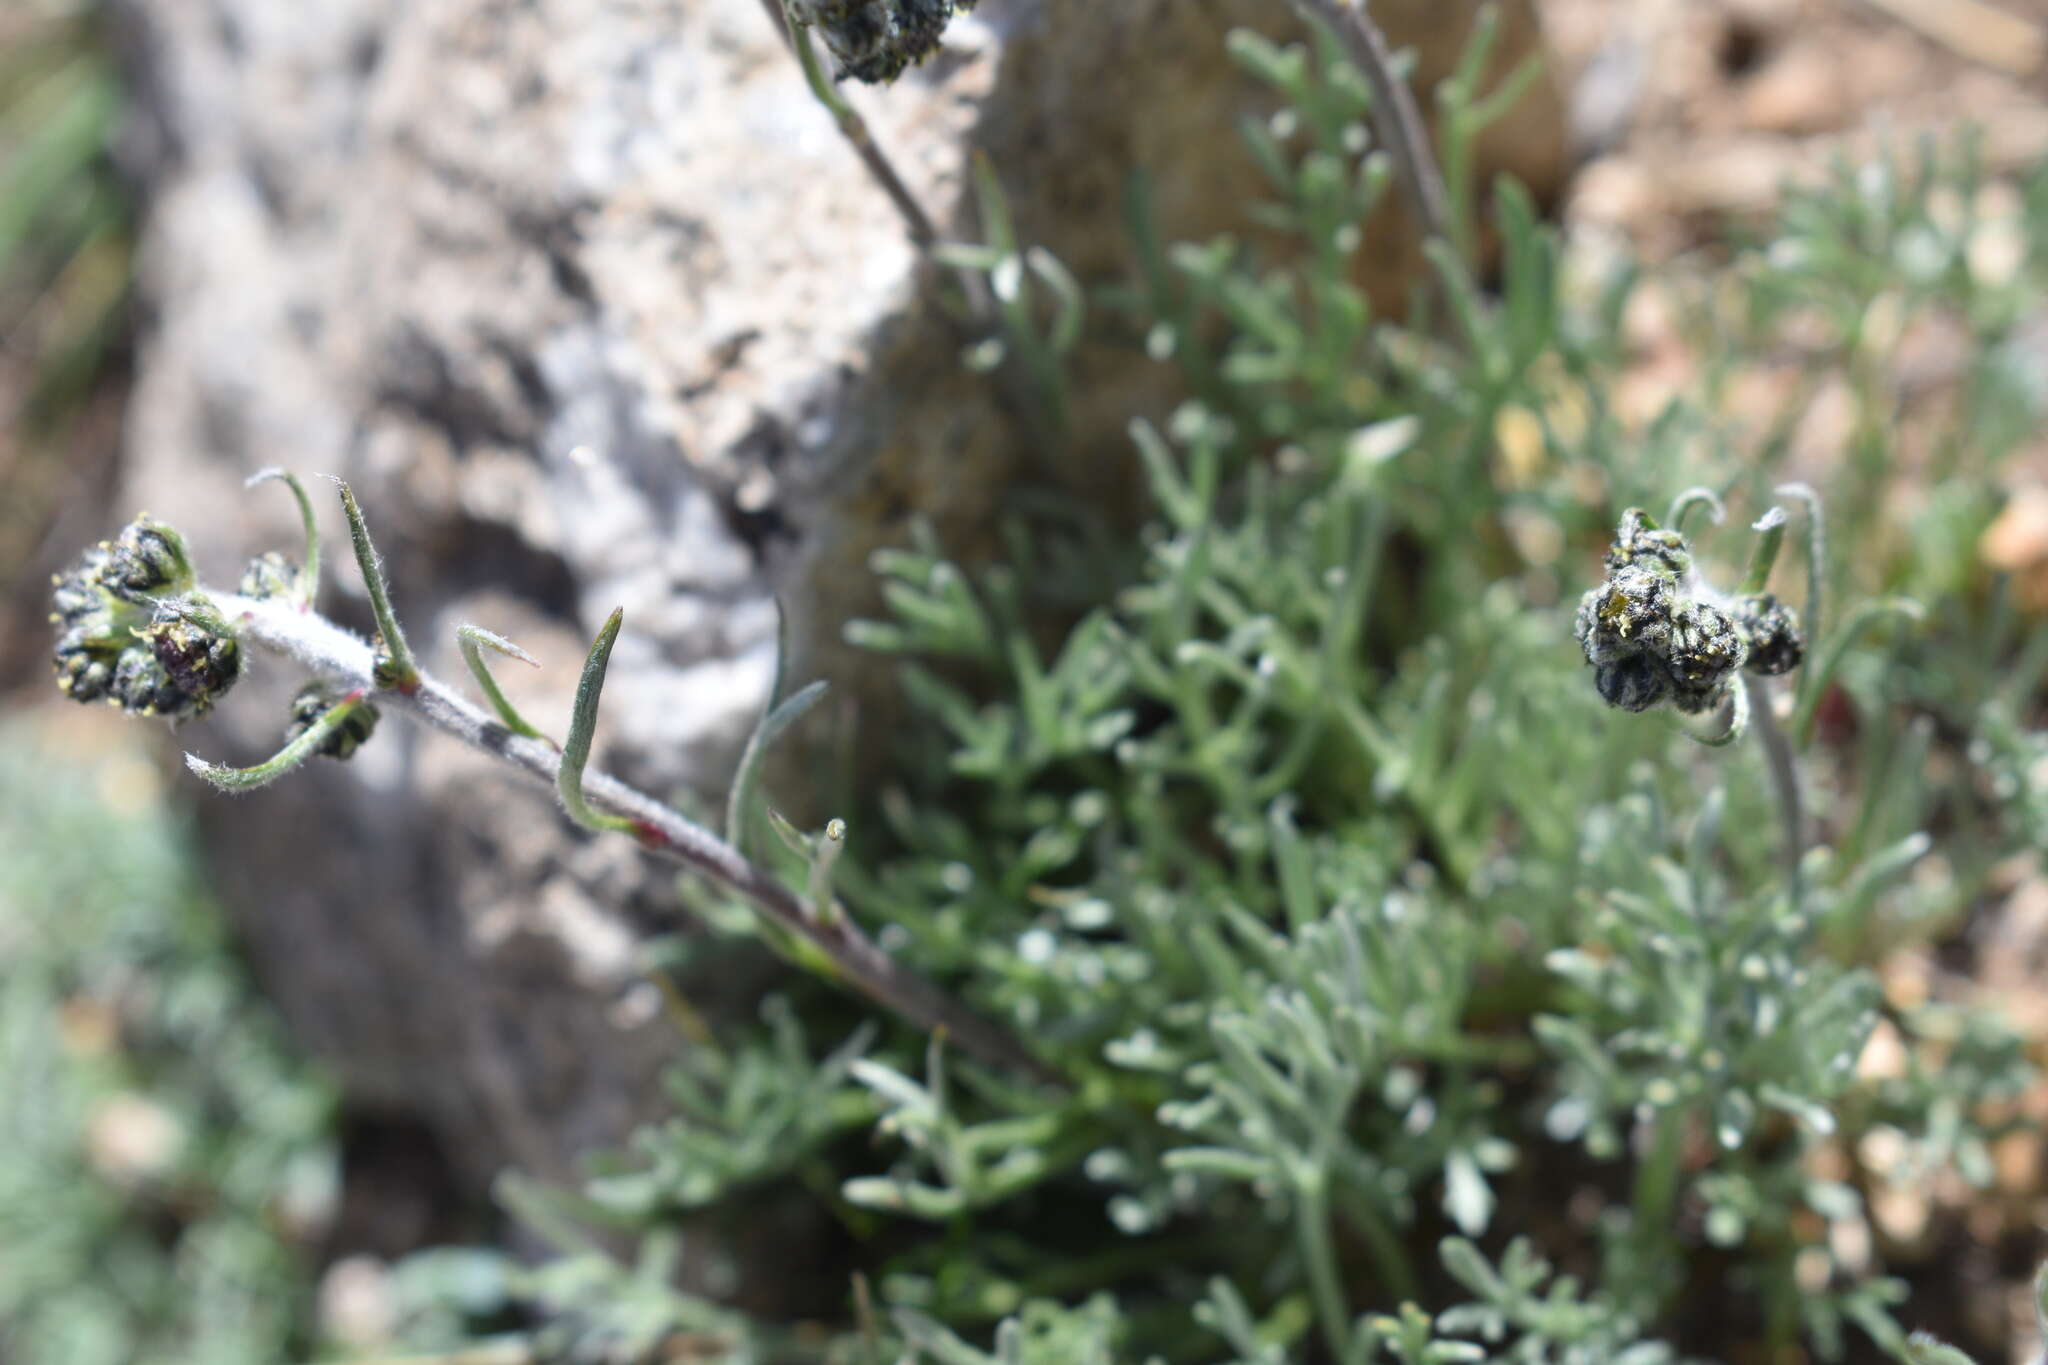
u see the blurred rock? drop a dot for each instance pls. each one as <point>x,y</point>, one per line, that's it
<point>1798,91</point>
<point>358,1305</point>
<point>594,307</point>
<point>2017,544</point>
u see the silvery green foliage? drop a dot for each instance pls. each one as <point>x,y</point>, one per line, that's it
<point>602,1308</point>
<point>1280,846</point>
<point>1350,913</point>
<point>744,1117</point>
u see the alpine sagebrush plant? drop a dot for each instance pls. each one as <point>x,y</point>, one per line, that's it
<point>1309,853</point>
<point>1411,1004</point>
<point>138,630</point>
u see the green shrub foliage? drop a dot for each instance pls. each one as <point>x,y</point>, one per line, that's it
<point>1417,1006</point>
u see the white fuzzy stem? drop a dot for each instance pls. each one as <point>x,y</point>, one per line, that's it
<point>325,649</point>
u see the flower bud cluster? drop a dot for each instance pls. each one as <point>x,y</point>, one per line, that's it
<point>313,701</point>
<point>874,40</point>
<point>1654,632</point>
<point>117,640</point>
<point>1776,644</point>
<point>270,574</point>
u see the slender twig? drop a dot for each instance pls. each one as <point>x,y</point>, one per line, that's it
<point>1785,780</point>
<point>923,231</point>
<point>918,224</point>
<point>1395,115</point>
<point>327,650</point>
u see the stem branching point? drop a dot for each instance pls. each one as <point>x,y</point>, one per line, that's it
<point>739,806</point>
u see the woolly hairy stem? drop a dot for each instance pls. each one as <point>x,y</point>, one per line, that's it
<point>1784,780</point>
<point>1816,552</point>
<point>327,650</point>
<point>1394,113</point>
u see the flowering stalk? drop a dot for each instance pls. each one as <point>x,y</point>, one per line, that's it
<point>1785,781</point>
<point>1655,632</point>
<point>325,649</point>
<point>137,630</point>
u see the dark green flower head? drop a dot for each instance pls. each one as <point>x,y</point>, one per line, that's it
<point>1654,631</point>
<point>314,700</point>
<point>875,40</point>
<point>1639,543</point>
<point>148,560</point>
<point>127,633</point>
<point>201,664</point>
<point>1702,654</point>
<point>1776,644</point>
<point>1626,615</point>
<point>1633,684</point>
